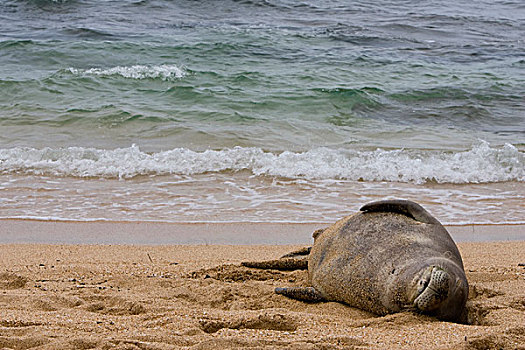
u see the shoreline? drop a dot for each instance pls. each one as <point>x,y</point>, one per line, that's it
<point>232,233</point>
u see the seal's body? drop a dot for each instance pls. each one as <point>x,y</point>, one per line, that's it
<point>390,256</point>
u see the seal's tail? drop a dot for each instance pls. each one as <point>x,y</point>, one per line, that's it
<point>286,264</point>
<point>296,260</point>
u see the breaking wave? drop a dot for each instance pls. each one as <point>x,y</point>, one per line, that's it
<point>163,72</point>
<point>481,164</point>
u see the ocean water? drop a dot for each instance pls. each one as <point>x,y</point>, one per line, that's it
<point>261,111</point>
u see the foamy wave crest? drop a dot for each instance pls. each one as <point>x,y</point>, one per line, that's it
<point>480,164</point>
<point>164,72</point>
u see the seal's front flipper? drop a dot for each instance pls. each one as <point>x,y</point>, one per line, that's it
<point>408,208</point>
<point>308,294</point>
<point>284,264</point>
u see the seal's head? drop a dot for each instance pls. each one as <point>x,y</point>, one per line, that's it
<point>440,289</point>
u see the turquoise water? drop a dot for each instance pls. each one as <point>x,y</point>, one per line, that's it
<point>261,110</point>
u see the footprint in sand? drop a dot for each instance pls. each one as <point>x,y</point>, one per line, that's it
<point>277,322</point>
<point>114,306</point>
<point>12,281</point>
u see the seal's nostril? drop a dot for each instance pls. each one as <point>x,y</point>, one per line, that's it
<point>436,291</point>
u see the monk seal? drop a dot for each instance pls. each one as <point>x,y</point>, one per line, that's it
<point>389,257</point>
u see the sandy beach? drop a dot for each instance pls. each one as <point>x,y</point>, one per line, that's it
<point>148,148</point>
<point>173,296</point>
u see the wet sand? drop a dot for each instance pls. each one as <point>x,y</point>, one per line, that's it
<point>168,296</point>
<point>155,233</point>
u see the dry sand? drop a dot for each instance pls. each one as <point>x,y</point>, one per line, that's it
<point>199,297</point>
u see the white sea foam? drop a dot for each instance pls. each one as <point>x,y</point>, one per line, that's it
<point>481,164</point>
<point>164,72</point>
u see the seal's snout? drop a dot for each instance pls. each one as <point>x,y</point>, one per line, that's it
<point>433,289</point>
